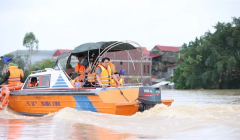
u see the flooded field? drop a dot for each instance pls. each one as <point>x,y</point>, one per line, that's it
<point>194,115</point>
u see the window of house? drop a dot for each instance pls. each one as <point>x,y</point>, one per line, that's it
<point>148,68</point>
<point>144,68</point>
<point>39,81</point>
<point>121,63</point>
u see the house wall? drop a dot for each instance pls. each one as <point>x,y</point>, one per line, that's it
<point>171,70</point>
<point>158,68</point>
<point>133,67</point>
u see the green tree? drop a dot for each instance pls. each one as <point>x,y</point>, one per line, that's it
<point>212,61</point>
<point>30,42</point>
<point>47,63</point>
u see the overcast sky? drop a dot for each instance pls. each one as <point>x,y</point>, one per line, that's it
<point>67,24</point>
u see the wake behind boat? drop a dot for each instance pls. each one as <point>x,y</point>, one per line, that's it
<point>55,91</point>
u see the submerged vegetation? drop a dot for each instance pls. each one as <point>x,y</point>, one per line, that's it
<point>211,61</point>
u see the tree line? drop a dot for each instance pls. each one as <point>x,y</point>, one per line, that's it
<point>211,61</point>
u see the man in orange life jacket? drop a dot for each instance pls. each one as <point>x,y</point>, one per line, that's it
<point>80,69</point>
<point>104,73</point>
<point>13,75</point>
<point>91,78</point>
<point>21,72</point>
<point>120,80</point>
<point>33,82</point>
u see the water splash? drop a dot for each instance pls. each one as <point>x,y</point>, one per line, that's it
<point>193,111</point>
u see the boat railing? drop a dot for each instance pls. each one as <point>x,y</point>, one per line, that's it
<point>39,71</point>
<point>134,84</point>
<point>97,85</point>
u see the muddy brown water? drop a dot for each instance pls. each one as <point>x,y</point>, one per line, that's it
<point>194,115</point>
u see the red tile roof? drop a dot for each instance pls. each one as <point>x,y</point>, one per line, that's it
<point>59,52</point>
<point>167,48</point>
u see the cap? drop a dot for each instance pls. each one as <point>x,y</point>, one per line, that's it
<point>74,75</point>
<point>37,68</point>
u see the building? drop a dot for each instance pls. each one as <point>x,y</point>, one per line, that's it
<point>130,61</point>
<point>163,62</point>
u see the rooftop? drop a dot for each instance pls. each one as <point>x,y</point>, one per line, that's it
<point>168,48</point>
<point>60,51</point>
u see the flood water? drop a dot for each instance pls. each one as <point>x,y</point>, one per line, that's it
<point>194,115</point>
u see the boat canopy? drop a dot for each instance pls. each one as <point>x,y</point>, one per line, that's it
<point>98,46</point>
<point>63,55</point>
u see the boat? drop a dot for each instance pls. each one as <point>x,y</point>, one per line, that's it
<point>55,92</point>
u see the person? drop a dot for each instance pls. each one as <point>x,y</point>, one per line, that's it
<point>111,66</point>
<point>91,78</point>
<point>120,80</point>
<point>80,69</point>
<point>33,82</point>
<point>104,73</point>
<point>76,80</point>
<point>122,72</point>
<point>21,72</point>
<point>12,76</point>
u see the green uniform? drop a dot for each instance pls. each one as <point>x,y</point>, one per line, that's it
<point>6,76</point>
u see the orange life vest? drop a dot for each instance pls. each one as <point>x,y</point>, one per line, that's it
<point>32,85</point>
<point>114,83</point>
<point>91,77</point>
<point>112,66</point>
<point>73,83</point>
<point>14,75</point>
<point>21,72</point>
<point>80,69</point>
<point>105,76</point>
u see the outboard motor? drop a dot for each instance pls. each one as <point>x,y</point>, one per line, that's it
<point>149,97</point>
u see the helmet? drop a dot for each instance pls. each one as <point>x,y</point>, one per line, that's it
<point>11,64</point>
<point>37,68</point>
<point>122,72</point>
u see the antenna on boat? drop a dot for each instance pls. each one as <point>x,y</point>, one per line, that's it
<point>122,93</point>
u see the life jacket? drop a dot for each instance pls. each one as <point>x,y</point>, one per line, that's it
<point>111,66</point>
<point>21,72</point>
<point>14,75</point>
<point>114,83</point>
<point>105,76</point>
<point>80,69</point>
<point>32,85</point>
<point>91,77</point>
<point>73,83</point>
